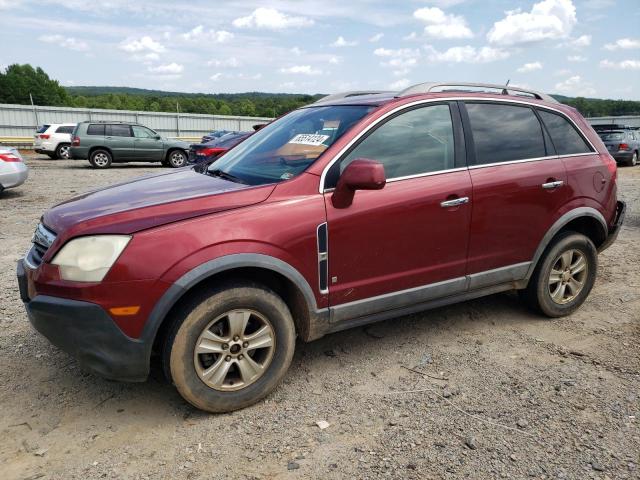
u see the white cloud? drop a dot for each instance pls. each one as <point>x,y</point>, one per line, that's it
<point>216,76</point>
<point>271,19</point>
<point>442,25</point>
<point>622,65</point>
<point>145,43</point>
<point>402,60</point>
<point>168,69</point>
<point>623,44</point>
<point>231,62</point>
<point>341,42</point>
<point>376,38</point>
<point>466,54</point>
<point>400,84</point>
<point>65,42</point>
<point>301,70</point>
<point>581,41</point>
<point>575,86</point>
<point>530,67</point>
<point>200,34</point>
<point>547,20</point>
<point>576,58</point>
<point>335,60</point>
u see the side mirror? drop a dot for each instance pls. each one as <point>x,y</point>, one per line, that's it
<point>158,137</point>
<point>360,174</point>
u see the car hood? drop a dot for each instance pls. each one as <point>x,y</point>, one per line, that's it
<point>150,201</point>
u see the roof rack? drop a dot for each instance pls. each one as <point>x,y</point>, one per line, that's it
<point>354,93</point>
<point>467,87</point>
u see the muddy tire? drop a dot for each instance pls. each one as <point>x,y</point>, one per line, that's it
<point>229,347</point>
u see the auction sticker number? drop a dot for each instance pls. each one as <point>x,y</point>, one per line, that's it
<point>309,139</point>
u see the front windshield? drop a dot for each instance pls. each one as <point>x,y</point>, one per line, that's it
<point>287,146</point>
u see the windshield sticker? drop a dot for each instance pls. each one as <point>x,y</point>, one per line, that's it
<point>286,176</point>
<point>309,139</point>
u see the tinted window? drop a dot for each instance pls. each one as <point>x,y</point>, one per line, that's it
<point>142,132</point>
<point>118,131</point>
<point>565,137</point>
<point>65,129</point>
<point>42,129</point>
<point>415,142</point>
<point>611,136</point>
<point>95,129</point>
<point>504,133</point>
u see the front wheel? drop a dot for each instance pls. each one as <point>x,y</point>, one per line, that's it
<point>564,276</point>
<point>177,158</point>
<point>230,347</point>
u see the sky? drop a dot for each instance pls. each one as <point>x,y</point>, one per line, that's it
<point>571,47</point>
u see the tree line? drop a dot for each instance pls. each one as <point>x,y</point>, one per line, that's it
<point>17,82</point>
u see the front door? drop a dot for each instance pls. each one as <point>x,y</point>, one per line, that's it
<point>147,143</point>
<point>413,233</point>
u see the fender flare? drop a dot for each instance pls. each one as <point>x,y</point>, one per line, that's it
<point>210,268</point>
<point>558,225</point>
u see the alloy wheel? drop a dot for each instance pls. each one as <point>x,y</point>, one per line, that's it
<point>568,276</point>
<point>234,350</point>
<point>64,152</point>
<point>101,159</point>
<point>177,159</point>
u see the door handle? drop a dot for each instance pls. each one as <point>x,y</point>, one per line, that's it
<point>455,202</point>
<point>552,185</point>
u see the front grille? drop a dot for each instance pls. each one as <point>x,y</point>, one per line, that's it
<point>42,240</point>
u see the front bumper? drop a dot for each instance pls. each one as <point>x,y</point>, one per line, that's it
<point>614,230</point>
<point>85,331</point>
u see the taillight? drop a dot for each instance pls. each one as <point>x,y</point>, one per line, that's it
<point>623,146</point>
<point>9,157</point>
<point>207,152</point>
<point>612,166</point>
<point>75,141</point>
<point>44,137</point>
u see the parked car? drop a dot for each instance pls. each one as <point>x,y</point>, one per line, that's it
<point>215,134</point>
<point>54,140</point>
<point>13,171</point>
<point>623,144</point>
<point>405,201</point>
<point>207,152</point>
<point>104,143</point>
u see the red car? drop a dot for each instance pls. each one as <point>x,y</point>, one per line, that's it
<point>355,209</point>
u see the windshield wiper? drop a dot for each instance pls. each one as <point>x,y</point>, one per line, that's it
<point>227,176</point>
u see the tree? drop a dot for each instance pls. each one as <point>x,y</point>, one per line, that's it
<point>18,81</point>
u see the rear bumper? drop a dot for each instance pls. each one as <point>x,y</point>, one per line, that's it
<point>85,331</point>
<point>79,153</point>
<point>13,174</point>
<point>622,156</point>
<point>614,230</point>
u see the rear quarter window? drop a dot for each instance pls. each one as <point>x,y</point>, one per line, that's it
<point>43,129</point>
<point>565,136</point>
<point>95,129</point>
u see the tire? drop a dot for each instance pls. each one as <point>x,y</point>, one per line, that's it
<point>100,159</point>
<point>212,311</point>
<point>176,158</point>
<point>634,160</point>
<point>549,295</point>
<point>63,151</point>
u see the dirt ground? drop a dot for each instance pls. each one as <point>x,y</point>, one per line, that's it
<point>524,397</point>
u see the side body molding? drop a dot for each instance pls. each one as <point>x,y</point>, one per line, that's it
<point>221,264</point>
<point>557,226</point>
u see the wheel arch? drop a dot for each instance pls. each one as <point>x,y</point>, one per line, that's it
<point>585,220</point>
<point>98,147</point>
<point>272,272</point>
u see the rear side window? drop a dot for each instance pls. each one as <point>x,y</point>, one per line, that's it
<point>565,137</point>
<point>505,133</point>
<point>118,131</point>
<point>42,129</point>
<point>65,129</point>
<point>415,142</point>
<point>95,129</point>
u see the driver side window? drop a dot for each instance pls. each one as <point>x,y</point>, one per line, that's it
<point>415,142</point>
<point>142,132</point>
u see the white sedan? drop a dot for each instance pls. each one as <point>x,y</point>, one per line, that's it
<point>13,171</point>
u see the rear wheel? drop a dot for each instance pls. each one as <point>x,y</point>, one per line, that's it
<point>634,160</point>
<point>63,151</point>
<point>177,158</point>
<point>100,159</point>
<point>230,347</point>
<point>564,276</point>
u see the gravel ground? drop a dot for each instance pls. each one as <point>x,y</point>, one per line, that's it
<point>522,396</point>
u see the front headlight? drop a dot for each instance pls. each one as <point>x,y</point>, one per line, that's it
<point>88,259</point>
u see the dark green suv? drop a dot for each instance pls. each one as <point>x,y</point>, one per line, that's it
<point>103,143</point>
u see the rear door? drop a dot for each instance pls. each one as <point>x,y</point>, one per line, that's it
<point>147,143</point>
<point>403,236</point>
<point>119,139</point>
<point>519,184</point>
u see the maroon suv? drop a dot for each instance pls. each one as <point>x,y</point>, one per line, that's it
<point>355,209</point>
